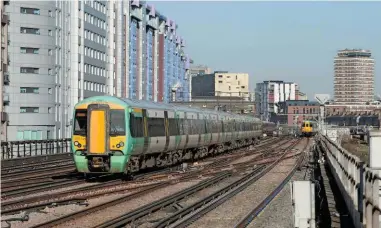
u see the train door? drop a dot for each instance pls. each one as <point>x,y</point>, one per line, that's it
<point>97,130</point>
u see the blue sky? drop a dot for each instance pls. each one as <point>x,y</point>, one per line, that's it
<point>291,41</point>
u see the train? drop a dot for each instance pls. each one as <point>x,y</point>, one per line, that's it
<point>309,128</point>
<point>122,136</point>
<point>269,128</point>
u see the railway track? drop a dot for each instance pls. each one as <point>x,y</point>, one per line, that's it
<point>38,180</point>
<point>133,195</point>
<point>191,213</point>
<point>251,215</point>
<point>37,172</point>
<point>28,167</point>
<point>80,195</point>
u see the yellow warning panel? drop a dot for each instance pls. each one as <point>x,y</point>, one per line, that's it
<point>97,132</point>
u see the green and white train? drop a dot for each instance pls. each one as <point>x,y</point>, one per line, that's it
<point>114,135</point>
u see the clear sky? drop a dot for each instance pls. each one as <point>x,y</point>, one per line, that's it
<point>291,41</point>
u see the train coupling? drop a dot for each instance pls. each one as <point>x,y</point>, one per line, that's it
<point>99,163</point>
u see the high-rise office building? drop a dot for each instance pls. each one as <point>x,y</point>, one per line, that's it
<point>61,52</point>
<point>354,77</point>
<point>4,74</point>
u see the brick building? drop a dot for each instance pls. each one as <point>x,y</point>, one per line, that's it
<point>295,111</point>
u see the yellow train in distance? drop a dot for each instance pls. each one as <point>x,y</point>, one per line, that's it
<point>309,128</point>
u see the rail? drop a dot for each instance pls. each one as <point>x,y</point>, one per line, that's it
<point>29,148</point>
<point>359,184</point>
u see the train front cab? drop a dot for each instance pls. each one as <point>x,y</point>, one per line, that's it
<point>307,128</point>
<point>99,138</point>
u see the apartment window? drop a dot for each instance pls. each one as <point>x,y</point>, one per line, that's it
<point>29,70</point>
<point>50,90</point>
<point>50,52</point>
<point>50,71</point>
<point>49,110</point>
<point>238,82</point>
<point>27,50</point>
<point>220,76</point>
<point>50,32</point>
<point>29,90</point>
<point>242,87</point>
<point>50,13</point>
<point>219,81</point>
<point>25,30</point>
<point>229,88</point>
<point>29,110</point>
<point>29,11</point>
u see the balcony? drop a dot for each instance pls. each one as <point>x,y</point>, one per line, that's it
<point>4,68</point>
<point>4,117</point>
<point>2,40</point>
<point>6,98</point>
<point>6,78</point>
<point>4,19</point>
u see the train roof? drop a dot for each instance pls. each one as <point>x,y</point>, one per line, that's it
<point>159,105</point>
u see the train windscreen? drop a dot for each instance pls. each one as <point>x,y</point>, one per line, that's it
<point>80,124</point>
<point>117,122</point>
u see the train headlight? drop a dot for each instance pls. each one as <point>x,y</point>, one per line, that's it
<point>76,143</point>
<point>121,144</point>
<point>117,145</point>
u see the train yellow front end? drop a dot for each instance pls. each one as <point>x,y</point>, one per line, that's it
<point>99,145</point>
<point>308,128</point>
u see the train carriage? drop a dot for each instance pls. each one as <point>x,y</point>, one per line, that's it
<point>113,135</point>
<point>269,128</point>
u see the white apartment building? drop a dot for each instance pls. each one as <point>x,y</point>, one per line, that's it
<point>269,93</point>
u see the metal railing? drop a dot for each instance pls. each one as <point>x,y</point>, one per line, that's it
<point>18,149</point>
<point>358,184</point>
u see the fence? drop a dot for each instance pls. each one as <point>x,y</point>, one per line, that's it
<point>358,183</point>
<point>17,149</point>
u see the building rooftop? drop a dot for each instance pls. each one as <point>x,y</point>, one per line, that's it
<point>353,53</point>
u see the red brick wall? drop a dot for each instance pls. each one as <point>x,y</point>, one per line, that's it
<point>303,113</point>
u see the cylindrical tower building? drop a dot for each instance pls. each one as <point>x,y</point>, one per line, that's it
<point>354,77</point>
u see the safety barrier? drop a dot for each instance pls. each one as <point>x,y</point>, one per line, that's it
<point>17,149</point>
<point>358,182</point>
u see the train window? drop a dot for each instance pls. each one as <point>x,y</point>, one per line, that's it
<point>80,124</point>
<point>181,127</point>
<point>208,126</point>
<point>195,127</point>
<point>219,124</point>
<point>203,127</point>
<point>173,127</point>
<point>117,122</point>
<point>186,126</point>
<point>215,126</point>
<point>156,127</point>
<point>136,126</point>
